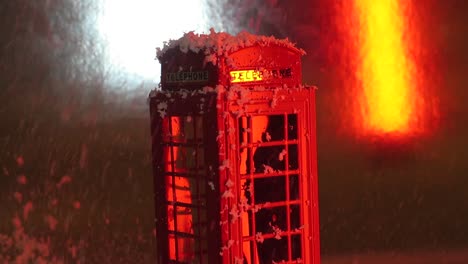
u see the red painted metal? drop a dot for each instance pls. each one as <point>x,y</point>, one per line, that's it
<point>235,171</point>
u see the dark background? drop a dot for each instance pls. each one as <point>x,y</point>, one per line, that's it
<point>63,114</point>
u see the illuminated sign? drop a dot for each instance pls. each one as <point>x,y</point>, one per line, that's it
<point>244,76</point>
<point>187,77</point>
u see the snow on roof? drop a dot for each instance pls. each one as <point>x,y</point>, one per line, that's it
<point>222,43</point>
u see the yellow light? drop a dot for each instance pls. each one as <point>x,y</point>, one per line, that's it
<point>384,69</point>
<point>246,76</point>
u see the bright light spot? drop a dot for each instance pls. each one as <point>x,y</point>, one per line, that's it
<point>246,76</point>
<point>384,68</point>
<point>133,29</point>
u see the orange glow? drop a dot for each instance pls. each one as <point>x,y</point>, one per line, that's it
<point>179,190</point>
<point>246,76</point>
<point>384,69</point>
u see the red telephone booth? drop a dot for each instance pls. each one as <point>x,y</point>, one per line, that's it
<point>234,153</point>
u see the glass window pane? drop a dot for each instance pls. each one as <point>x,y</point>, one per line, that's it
<point>175,128</point>
<point>271,189</point>
<point>184,219</point>
<point>182,128</point>
<point>296,248</point>
<point>200,222</point>
<point>180,189</point>
<point>170,218</point>
<point>269,159</point>
<point>248,251</point>
<point>295,218</point>
<point>172,247</point>
<point>293,157</point>
<point>268,128</point>
<point>292,126</point>
<point>192,128</point>
<point>186,190</point>
<point>188,157</point>
<point>293,187</point>
<point>186,249</point>
<point>273,249</point>
<point>271,220</point>
<point>200,157</point>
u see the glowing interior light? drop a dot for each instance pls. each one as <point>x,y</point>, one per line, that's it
<point>133,29</point>
<point>384,69</point>
<point>246,76</point>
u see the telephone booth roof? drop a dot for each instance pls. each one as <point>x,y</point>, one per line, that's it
<point>222,43</point>
<point>198,60</point>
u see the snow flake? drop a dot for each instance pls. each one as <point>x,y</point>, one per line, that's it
<point>229,183</point>
<point>17,222</point>
<point>225,165</point>
<point>54,202</point>
<point>208,89</point>
<point>226,247</point>
<point>235,214</point>
<point>76,205</point>
<point>22,180</point>
<point>228,194</point>
<point>212,186</point>
<point>244,204</point>
<point>259,237</point>
<point>256,208</point>
<point>273,102</point>
<point>27,209</point>
<point>230,243</point>
<point>277,231</point>
<point>238,260</point>
<point>20,161</point>
<point>18,197</point>
<point>282,154</point>
<point>267,169</point>
<point>220,135</point>
<point>51,221</point>
<point>65,179</point>
<point>282,261</point>
<point>162,107</point>
<point>297,229</point>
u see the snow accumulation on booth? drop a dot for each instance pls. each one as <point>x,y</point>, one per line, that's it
<point>221,44</point>
<point>216,47</point>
